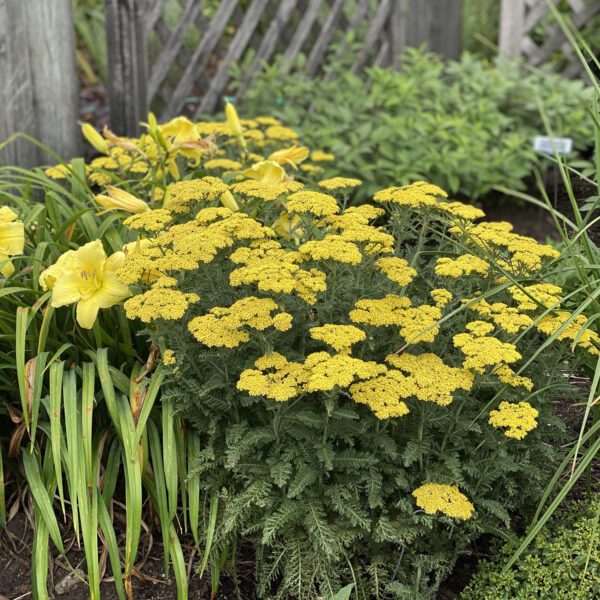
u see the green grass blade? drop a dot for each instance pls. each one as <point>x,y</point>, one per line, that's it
<point>35,389</point>
<point>42,498</point>
<point>20,343</point>
<point>149,399</point>
<point>87,408</point>
<point>39,558</point>
<point>56,434</point>
<point>169,454</point>
<point>179,566</point>
<point>73,444</point>
<point>210,531</point>
<point>194,482</point>
<point>110,539</point>
<point>160,490</point>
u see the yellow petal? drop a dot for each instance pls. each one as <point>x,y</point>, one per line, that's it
<point>12,238</point>
<point>7,268</point>
<point>111,292</point>
<point>266,171</point>
<point>292,156</point>
<point>7,214</point>
<point>67,289</point>
<point>87,311</point>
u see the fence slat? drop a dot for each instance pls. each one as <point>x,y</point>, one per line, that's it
<point>377,24</point>
<point>39,79</point>
<point>126,43</point>
<point>318,50</point>
<point>299,37</point>
<point>172,46</point>
<point>512,28</point>
<point>269,42</point>
<point>234,52</point>
<point>16,92</point>
<point>209,42</point>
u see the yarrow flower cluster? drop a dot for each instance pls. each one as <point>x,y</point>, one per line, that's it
<point>266,293</point>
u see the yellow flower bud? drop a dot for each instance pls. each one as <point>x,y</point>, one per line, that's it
<point>233,120</point>
<point>228,201</point>
<point>119,199</point>
<point>94,138</point>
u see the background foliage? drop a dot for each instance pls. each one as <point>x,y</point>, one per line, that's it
<point>464,125</point>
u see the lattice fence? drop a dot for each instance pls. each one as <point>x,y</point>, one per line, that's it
<point>529,31</point>
<point>177,55</point>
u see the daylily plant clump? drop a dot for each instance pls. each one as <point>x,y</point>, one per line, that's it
<point>365,380</point>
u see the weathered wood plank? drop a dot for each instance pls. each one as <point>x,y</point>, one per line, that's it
<point>302,32</point>
<point>209,42</point>
<point>319,48</point>
<point>269,42</point>
<point>557,38</point>
<point>55,80</point>
<point>126,43</point>
<point>16,91</point>
<point>172,46</point>
<point>39,92</point>
<point>377,24</point>
<point>397,29</point>
<point>234,52</point>
<point>512,28</point>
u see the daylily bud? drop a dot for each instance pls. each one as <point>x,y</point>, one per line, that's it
<point>119,199</point>
<point>94,138</point>
<point>233,120</point>
<point>228,201</point>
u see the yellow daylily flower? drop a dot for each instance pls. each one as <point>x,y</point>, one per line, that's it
<point>12,239</point>
<point>228,201</point>
<point>290,156</point>
<point>233,120</point>
<point>266,171</point>
<point>87,277</point>
<point>94,138</point>
<point>119,199</point>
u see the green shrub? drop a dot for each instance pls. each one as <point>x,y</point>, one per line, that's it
<point>562,563</point>
<point>465,125</point>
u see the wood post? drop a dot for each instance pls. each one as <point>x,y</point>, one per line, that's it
<point>39,91</point>
<point>512,28</point>
<point>127,85</point>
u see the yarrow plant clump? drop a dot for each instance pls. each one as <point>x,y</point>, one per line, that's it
<point>364,378</point>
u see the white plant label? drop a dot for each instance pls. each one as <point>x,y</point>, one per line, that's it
<point>552,145</point>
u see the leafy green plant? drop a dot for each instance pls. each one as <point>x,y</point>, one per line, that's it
<point>562,562</point>
<point>465,125</point>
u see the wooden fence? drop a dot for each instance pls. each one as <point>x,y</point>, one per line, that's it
<point>39,89</point>
<point>176,55</point>
<point>528,31</point>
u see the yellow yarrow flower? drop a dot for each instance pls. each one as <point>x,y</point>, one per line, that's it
<point>443,498</point>
<point>415,195</point>
<point>279,133</point>
<point>223,163</point>
<point>151,221</point>
<point>384,394</point>
<point>340,337</point>
<point>518,419</point>
<point>314,203</point>
<point>320,156</point>
<point>339,183</point>
<point>396,269</point>
<point>159,303</point>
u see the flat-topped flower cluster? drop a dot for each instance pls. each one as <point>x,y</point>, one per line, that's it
<point>273,300</point>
